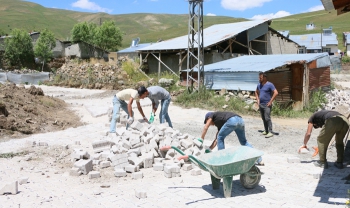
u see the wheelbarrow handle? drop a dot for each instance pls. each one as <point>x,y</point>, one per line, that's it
<point>191,158</point>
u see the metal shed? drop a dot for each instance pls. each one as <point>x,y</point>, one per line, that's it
<point>221,42</point>
<point>294,75</point>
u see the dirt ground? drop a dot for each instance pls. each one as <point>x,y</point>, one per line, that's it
<point>29,111</point>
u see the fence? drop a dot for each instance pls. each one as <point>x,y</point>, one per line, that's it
<point>33,78</point>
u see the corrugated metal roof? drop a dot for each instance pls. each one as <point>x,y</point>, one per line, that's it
<point>328,4</point>
<point>313,41</point>
<point>262,63</point>
<point>212,35</point>
<point>135,48</point>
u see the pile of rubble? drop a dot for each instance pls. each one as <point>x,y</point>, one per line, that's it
<point>337,98</point>
<point>247,96</point>
<point>129,150</point>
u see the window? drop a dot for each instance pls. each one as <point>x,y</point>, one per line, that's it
<point>301,50</point>
<point>328,50</point>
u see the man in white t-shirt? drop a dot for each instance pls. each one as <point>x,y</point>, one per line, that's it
<point>124,100</point>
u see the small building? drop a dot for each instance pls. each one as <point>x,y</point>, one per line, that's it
<point>295,76</point>
<point>310,26</point>
<point>81,49</point>
<point>346,42</point>
<point>317,42</point>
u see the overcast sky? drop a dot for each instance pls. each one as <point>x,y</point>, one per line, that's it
<point>250,9</point>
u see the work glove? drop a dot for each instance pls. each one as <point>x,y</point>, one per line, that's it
<point>130,120</point>
<point>207,150</point>
<point>302,147</point>
<point>200,139</point>
<point>151,118</point>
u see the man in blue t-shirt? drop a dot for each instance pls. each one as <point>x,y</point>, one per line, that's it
<point>265,94</point>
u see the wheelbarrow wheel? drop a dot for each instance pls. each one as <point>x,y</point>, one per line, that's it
<point>251,179</point>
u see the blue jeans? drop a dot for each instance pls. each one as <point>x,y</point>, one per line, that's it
<point>236,124</point>
<point>163,115</point>
<point>117,104</point>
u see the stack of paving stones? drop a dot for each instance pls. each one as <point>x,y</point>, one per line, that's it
<point>129,150</point>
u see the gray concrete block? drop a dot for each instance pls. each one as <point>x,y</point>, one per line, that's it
<point>10,188</point>
<point>78,154</point>
<point>140,194</point>
<point>148,162</point>
<point>23,180</point>
<point>75,172</point>
<point>85,166</point>
<point>101,145</point>
<point>196,172</point>
<point>118,172</point>
<point>158,160</point>
<point>168,175</point>
<point>187,167</point>
<point>137,175</point>
<point>158,166</point>
<point>197,143</point>
<point>105,164</point>
<point>94,174</point>
<point>136,126</point>
<point>136,161</point>
<point>131,168</point>
<point>185,143</point>
<point>96,162</point>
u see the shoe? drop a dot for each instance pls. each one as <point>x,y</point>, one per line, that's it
<point>339,165</point>
<point>268,135</point>
<point>264,133</point>
<point>321,164</point>
<point>261,163</point>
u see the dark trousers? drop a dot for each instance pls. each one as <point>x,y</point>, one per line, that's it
<point>265,112</point>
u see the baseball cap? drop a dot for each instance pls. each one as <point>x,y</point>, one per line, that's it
<point>209,114</point>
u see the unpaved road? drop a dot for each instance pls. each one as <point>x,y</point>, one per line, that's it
<point>283,184</point>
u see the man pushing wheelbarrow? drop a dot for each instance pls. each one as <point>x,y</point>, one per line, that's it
<point>226,163</point>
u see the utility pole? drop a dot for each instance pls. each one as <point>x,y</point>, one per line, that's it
<point>321,38</point>
<point>195,50</point>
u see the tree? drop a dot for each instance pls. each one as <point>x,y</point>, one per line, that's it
<point>84,32</point>
<point>108,36</point>
<point>19,48</point>
<point>44,45</point>
<point>2,32</point>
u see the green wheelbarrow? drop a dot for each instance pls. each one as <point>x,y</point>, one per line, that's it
<point>225,164</point>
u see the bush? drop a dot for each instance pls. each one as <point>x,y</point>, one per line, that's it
<point>345,59</point>
<point>317,100</point>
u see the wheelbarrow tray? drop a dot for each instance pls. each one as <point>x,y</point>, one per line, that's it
<point>231,161</point>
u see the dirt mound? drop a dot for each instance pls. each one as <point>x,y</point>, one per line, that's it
<point>28,111</point>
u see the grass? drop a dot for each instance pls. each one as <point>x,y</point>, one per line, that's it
<point>208,99</point>
<point>12,155</point>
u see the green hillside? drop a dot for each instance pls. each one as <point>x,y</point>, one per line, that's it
<point>296,24</point>
<point>149,27</point>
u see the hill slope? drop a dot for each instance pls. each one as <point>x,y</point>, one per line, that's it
<point>296,24</point>
<point>149,27</point>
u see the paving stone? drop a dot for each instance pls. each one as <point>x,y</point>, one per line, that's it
<point>137,175</point>
<point>140,194</point>
<point>11,188</point>
<point>119,172</point>
<point>94,174</point>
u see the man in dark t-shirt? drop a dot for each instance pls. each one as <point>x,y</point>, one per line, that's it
<point>226,122</point>
<point>331,122</point>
